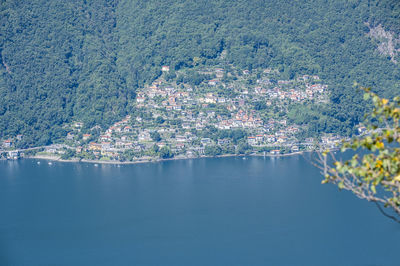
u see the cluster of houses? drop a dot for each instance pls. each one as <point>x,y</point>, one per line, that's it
<point>9,143</point>
<point>198,108</point>
<point>171,115</point>
<point>315,91</point>
<point>7,148</point>
<point>167,97</point>
<point>301,89</point>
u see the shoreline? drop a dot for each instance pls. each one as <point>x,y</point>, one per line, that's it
<point>156,160</point>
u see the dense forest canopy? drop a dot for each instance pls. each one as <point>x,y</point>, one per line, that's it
<point>83,60</point>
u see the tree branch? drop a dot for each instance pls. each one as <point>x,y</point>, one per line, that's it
<point>385,213</point>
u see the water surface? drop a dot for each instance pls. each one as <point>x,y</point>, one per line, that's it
<point>225,211</point>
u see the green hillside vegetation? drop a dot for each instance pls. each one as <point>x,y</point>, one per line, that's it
<point>64,61</point>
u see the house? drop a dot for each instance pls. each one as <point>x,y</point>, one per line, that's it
<point>177,107</point>
<point>170,91</point>
<point>78,124</point>
<point>51,149</point>
<point>190,154</point>
<point>295,148</point>
<point>128,145</point>
<point>119,144</point>
<point>282,139</point>
<point>198,150</point>
<point>210,114</point>
<point>144,136</point>
<point>140,99</point>
<point>19,137</point>
<point>86,136</point>
<point>259,138</point>
<point>127,129</point>
<point>270,138</point>
<point>223,142</point>
<point>7,143</point>
<point>213,82</point>
<point>139,147</point>
<point>325,140</point>
<point>219,74</point>
<point>362,130</point>
<point>13,155</point>
<point>105,138</point>
<point>221,100</point>
<point>105,145</point>
<point>110,131</point>
<point>274,152</point>
<point>180,146</point>
<point>205,141</point>
<point>309,140</point>
<point>280,82</point>
<point>108,153</point>
<point>251,140</point>
<point>70,136</point>
<point>161,144</point>
<point>78,149</point>
<point>210,98</point>
<point>186,125</point>
<point>171,99</point>
<point>267,71</point>
<point>93,146</point>
<point>180,138</point>
<point>165,68</point>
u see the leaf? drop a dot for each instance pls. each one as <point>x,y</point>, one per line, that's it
<point>373,189</point>
<point>380,145</point>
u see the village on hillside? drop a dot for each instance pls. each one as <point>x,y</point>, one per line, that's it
<point>207,112</point>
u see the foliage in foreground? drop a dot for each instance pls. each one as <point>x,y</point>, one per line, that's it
<point>374,176</point>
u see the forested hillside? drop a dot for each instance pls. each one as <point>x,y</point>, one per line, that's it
<point>83,60</point>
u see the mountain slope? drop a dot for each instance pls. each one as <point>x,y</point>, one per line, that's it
<point>83,60</point>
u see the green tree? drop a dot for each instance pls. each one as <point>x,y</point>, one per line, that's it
<point>155,136</point>
<point>259,105</point>
<point>373,173</point>
<point>165,153</point>
<point>160,120</point>
<point>213,150</point>
<point>155,148</point>
<point>243,147</point>
<point>68,154</point>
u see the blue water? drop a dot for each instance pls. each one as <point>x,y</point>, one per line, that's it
<point>225,211</point>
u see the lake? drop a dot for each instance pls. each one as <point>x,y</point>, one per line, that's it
<point>214,211</point>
